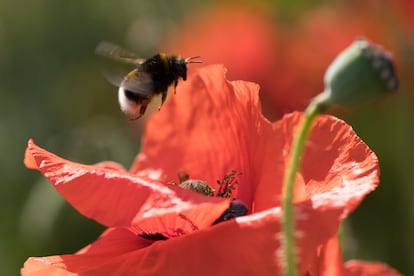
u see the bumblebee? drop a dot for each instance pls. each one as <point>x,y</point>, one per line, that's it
<point>151,77</point>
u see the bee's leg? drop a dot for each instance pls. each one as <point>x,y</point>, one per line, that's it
<point>135,118</point>
<point>175,86</point>
<point>141,112</point>
<point>142,109</point>
<point>163,97</point>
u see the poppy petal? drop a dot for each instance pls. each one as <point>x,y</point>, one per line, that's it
<point>115,241</point>
<point>112,166</point>
<point>115,198</point>
<point>361,268</point>
<point>219,135</point>
<point>243,246</point>
<point>328,259</point>
<point>337,165</point>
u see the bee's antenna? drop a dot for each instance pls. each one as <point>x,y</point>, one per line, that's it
<point>190,60</point>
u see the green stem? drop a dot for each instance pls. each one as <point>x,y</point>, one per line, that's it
<point>288,221</point>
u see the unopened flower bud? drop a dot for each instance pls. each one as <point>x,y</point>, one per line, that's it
<point>362,72</point>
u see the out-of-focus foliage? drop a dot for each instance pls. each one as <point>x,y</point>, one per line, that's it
<point>52,89</point>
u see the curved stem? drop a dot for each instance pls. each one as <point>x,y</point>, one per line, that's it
<point>288,219</point>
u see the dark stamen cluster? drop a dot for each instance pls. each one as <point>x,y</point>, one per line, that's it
<point>228,184</point>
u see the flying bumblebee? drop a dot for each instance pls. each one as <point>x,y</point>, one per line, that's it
<point>151,77</point>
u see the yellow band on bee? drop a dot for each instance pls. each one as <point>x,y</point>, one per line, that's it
<point>164,59</point>
<point>132,74</point>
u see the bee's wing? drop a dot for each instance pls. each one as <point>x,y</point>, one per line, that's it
<point>115,52</point>
<point>136,82</point>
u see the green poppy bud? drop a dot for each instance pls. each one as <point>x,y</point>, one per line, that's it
<point>362,72</point>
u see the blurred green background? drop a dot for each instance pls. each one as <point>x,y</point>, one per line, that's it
<point>52,89</point>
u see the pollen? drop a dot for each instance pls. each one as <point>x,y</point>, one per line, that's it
<point>198,186</point>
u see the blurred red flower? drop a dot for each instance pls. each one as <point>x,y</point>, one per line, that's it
<point>210,127</point>
<point>311,44</point>
<point>243,37</point>
<point>288,58</point>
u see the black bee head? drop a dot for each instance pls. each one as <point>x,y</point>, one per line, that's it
<point>179,66</point>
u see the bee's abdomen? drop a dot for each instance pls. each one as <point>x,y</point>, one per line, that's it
<point>133,96</point>
<point>129,101</point>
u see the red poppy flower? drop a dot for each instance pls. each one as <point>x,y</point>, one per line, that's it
<point>287,59</point>
<point>210,127</point>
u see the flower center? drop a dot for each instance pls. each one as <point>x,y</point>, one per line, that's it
<point>226,187</point>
